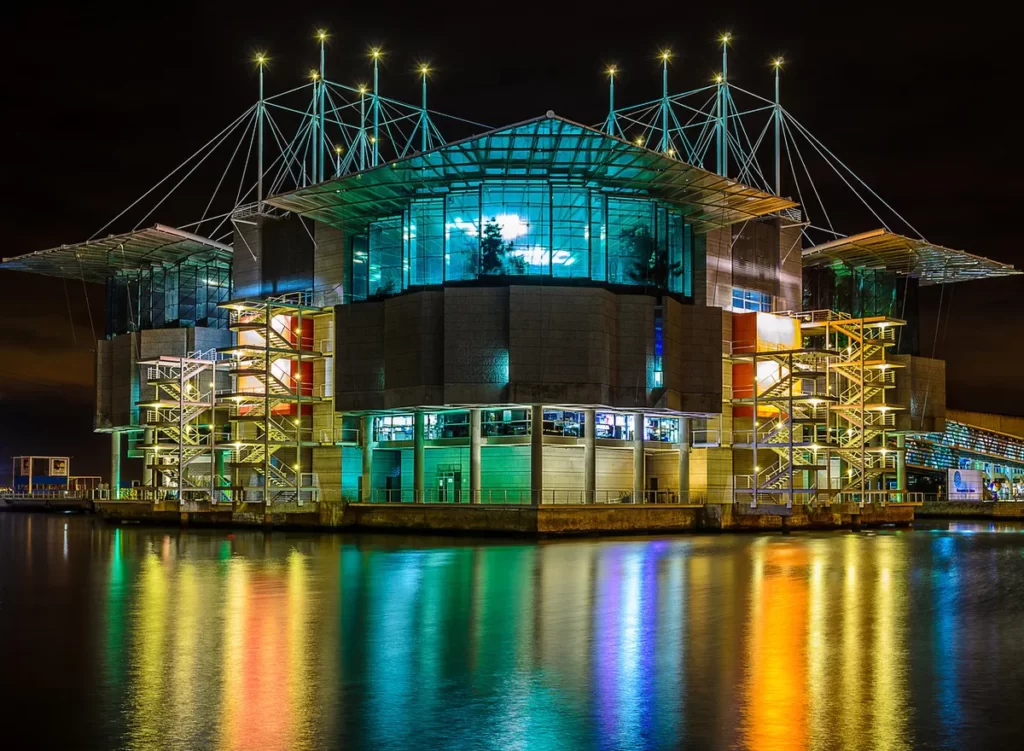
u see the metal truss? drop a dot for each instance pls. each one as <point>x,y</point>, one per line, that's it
<point>294,138</point>
<point>740,134</point>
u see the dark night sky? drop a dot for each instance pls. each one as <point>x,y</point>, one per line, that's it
<point>103,103</point>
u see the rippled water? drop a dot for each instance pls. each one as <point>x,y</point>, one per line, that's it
<point>141,637</point>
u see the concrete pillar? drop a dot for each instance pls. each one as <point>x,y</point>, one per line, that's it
<point>115,465</point>
<point>901,467</point>
<point>475,494</point>
<point>536,454</point>
<point>366,437</point>
<point>590,456</point>
<point>684,459</point>
<point>148,458</point>
<point>417,457</point>
<point>638,457</point>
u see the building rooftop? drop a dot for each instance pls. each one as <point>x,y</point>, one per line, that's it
<point>547,147</point>
<point>881,249</point>
<point>97,260</point>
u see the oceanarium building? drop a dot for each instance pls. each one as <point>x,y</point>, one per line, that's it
<point>541,314</point>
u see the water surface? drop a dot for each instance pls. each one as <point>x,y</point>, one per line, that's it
<point>139,637</point>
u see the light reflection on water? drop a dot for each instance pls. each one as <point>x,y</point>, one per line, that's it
<point>206,639</point>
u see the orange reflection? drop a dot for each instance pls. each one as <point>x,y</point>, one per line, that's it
<point>775,687</point>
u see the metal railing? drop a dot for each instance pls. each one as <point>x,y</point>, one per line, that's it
<point>526,497</point>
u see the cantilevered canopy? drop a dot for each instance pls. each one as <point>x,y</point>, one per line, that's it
<point>97,260</point>
<point>546,148</point>
<point>881,249</point>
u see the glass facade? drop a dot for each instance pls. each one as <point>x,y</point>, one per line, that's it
<point>160,297</point>
<point>523,228</point>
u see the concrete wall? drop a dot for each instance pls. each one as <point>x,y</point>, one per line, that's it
<point>525,345</point>
<point>921,391</point>
<point>328,264</point>
<point>118,382</point>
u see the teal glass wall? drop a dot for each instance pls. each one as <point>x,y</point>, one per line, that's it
<point>524,228</point>
<point>181,296</point>
<point>426,242</point>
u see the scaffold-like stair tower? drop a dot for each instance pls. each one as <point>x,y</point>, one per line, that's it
<point>179,429</point>
<point>270,399</point>
<point>821,418</point>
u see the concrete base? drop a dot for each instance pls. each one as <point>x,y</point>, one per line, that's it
<point>972,510</point>
<point>528,521</point>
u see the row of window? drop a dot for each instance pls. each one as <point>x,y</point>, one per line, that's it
<point>516,422</point>
<point>527,228</point>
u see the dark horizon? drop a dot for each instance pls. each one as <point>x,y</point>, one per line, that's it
<point>106,105</point>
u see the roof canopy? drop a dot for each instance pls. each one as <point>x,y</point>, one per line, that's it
<point>881,249</point>
<point>549,148</point>
<point>97,260</point>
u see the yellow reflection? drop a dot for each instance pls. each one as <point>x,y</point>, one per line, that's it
<point>300,683</point>
<point>850,686</point>
<point>817,655</point>
<point>232,696</point>
<point>147,716</point>
<point>889,692</point>
<point>186,647</point>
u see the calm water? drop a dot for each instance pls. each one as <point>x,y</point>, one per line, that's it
<point>139,637</point>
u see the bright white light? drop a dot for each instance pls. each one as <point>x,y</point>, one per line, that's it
<point>511,226</point>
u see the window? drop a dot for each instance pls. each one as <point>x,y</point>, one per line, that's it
<point>461,235</point>
<point>615,426</point>
<point>661,429</point>
<point>504,422</point>
<point>522,213</point>
<point>746,299</point>
<point>393,428</point>
<point>425,237</point>
<point>360,267</point>
<point>385,241</point>
<point>447,425</point>
<point>630,240</point>
<point>565,423</point>
<point>598,239</point>
<point>570,233</point>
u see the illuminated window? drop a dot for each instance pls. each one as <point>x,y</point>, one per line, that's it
<point>747,299</point>
<point>461,235</point>
<point>614,426</point>
<point>505,422</point>
<point>446,425</point>
<point>424,236</point>
<point>570,233</point>
<point>631,249</point>
<point>520,212</point>
<point>661,429</point>
<point>564,423</point>
<point>385,253</point>
<point>393,428</point>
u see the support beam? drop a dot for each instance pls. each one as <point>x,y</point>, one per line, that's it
<point>684,460</point>
<point>148,458</point>
<point>901,467</point>
<point>417,458</point>
<point>590,456</point>
<point>536,454</point>
<point>115,465</point>
<point>638,457</point>
<point>475,495</point>
<point>366,437</point>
